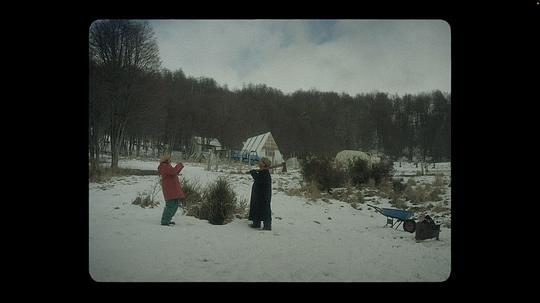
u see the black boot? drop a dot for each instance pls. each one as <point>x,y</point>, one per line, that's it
<point>255,224</point>
<point>267,225</point>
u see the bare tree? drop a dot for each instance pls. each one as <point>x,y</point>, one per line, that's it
<point>124,50</point>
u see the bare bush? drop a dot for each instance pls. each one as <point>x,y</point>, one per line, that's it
<point>415,195</point>
<point>434,195</point>
<point>294,192</point>
<point>148,198</point>
<point>192,202</point>
<point>312,192</point>
<point>439,180</point>
<point>398,186</point>
<point>216,203</point>
<point>385,189</point>
<point>241,208</point>
<point>219,203</point>
<point>321,172</point>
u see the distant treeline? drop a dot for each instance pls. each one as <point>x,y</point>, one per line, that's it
<point>137,105</point>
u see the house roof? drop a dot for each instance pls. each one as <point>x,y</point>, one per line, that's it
<point>212,142</point>
<point>256,143</point>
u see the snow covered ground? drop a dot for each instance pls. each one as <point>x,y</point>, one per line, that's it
<point>411,169</point>
<point>310,241</point>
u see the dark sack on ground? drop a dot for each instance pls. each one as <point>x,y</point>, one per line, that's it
<point>427,229</point>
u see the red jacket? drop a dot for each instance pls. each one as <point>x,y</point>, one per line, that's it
<point>170,183</point>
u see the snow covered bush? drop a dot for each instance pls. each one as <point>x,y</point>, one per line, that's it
<point>321,172</point>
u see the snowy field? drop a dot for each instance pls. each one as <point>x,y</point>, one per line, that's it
<point>410,169</point>
<point>310,241</point>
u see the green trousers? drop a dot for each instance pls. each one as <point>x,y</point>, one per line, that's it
<point>171,206</point>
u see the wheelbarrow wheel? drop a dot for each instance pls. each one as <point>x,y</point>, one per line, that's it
<point>409,225</point>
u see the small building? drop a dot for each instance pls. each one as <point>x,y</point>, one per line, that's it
<point>201,148</point>
<point>204,145</point>
<point>293,163</point>
<point>262,146</point>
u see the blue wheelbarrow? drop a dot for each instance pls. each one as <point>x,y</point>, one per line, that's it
<point>395,217</point>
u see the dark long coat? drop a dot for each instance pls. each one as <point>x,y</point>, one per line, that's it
<point>261,196</point>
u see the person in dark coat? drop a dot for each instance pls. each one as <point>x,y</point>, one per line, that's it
<point>261,196</point>
<point>172,190</point>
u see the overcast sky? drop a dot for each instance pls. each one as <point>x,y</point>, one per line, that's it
<point>350,56</point>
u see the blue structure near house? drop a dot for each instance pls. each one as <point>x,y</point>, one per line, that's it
<point>245,156</point>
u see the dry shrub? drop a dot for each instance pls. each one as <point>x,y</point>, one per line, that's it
<point>360,198</point>
<point>216,203</point>
<point>386,189</point>
<point>382,171</point>
<point>321,172</point>
<point>148,198</point>
<point>359,172</point>
<point>434,195</point>
<point>398,186</point>
<point>191,203</point>
<point>411,182</point>
<point>241,207</point>
<point>312,192</point>
<point>415,195</point>
<point>397,200</point>
<point>439,209</point>
<point>219,203</point>
<point>294,192</point>
<point>145,201</point>
<point>439,180</point>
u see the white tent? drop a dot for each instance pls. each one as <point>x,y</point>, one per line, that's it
<point>264,146</point>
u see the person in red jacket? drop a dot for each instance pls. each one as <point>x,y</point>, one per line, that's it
<point>172,190</point>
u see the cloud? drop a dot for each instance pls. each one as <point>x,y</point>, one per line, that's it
<point>352,56</point>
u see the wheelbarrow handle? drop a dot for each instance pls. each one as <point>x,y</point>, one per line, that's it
<point>378,209</point>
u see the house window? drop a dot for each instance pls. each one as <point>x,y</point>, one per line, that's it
<point>270,153</point>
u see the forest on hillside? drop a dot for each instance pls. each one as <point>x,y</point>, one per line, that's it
<point>136,104</point>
